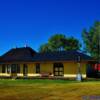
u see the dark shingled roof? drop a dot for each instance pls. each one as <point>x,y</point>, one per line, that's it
<point>27,54</point>
<point>18,54</point>
<point>61,56</point>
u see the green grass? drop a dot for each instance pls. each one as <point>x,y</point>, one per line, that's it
<point>47,89</point>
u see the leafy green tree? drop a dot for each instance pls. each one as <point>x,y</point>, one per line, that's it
<point>60,42</point>
<point>72,44</point>
<point>45,48</point>
<point>56,42</point>
<point>91,40</point>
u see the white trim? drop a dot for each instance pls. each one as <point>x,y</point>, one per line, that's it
<point>65,75</point>
<point>19,74</point>
<point>5,74</point>
<point>33,74</point>
<point>73,75</point>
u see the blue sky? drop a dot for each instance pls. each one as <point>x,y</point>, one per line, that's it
<point>32,22</point>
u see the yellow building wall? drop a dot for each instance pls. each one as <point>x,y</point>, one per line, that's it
<point>46,67</point>
<point>32,70</point>
<point>70,69</point>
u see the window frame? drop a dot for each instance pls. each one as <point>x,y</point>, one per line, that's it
<point>3,68</point>
<point>8,66</point>
<point>25,69</point>
<point>58,68</point>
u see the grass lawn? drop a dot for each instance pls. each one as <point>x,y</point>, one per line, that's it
<point>47,89</point>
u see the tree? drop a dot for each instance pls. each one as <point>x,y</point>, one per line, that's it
<point>44,48</point>
<point>56,42</point>
<point>60,42</point>
<point>72,44</point>
<point>91,40</point>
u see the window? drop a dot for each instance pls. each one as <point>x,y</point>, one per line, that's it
<point>37,68</point>
<point>13,68</point>
<point>25,69</point>
<point>58,69</point>
<point>3,69</point>
<point>8,68</point>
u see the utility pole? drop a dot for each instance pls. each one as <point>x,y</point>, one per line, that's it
<point>79,75</point>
